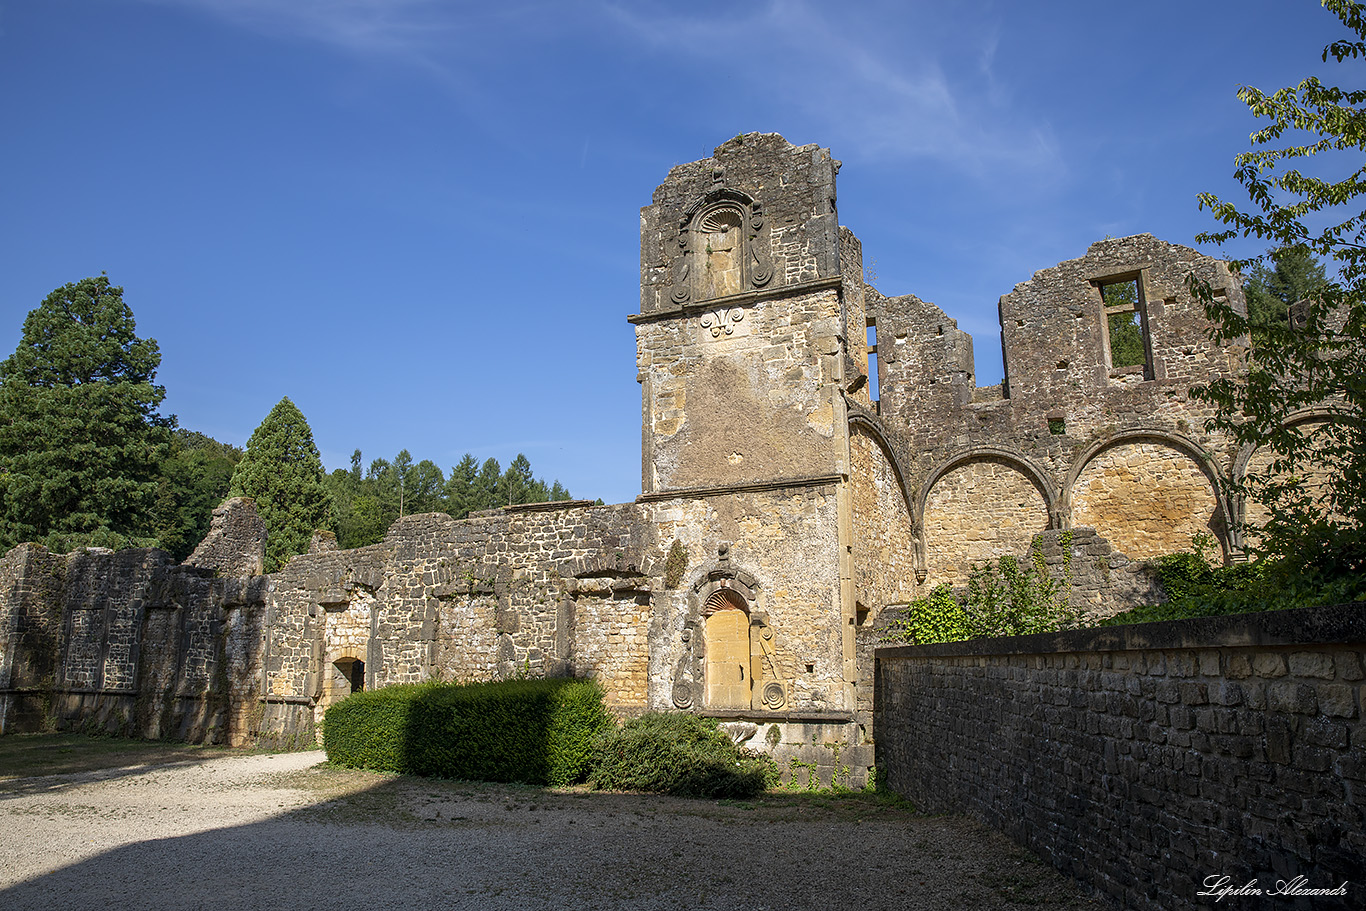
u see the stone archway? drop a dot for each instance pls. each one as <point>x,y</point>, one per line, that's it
<point>1147,495</point>
<point>980,506</point>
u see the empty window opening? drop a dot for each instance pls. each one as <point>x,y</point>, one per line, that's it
<point>1057,426</point>
<point>353,673</point>
<point>872,360</point>
<point>1126,323</point>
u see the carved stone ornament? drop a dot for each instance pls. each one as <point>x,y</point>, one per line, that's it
<point>760,263</point>
<point>722,320</point>
<point>722,248</point>
<point>774,695</point>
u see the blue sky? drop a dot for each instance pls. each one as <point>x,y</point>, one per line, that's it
<point>419,219</point>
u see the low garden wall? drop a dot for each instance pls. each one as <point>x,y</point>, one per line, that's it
<point>1153,762</point>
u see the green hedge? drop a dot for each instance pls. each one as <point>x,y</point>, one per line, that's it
<point>534,731</point>
<point>680,754</point>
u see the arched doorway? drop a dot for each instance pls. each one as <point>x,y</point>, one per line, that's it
<point>348,676</point>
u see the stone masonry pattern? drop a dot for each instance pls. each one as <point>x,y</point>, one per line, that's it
<point>1143,764</point>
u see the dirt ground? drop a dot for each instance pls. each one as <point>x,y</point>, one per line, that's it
<point>115,824</point>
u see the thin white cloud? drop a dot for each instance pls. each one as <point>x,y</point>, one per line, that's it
<point>887,84</point>
<point>367,26</point>
<point>896,83</point>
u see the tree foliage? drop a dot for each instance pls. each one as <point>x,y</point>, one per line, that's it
<point>283,473</point>
<point>1290,275</point>
<point>81,439</point>
<point>1303,197</point>
<point>367,504</point>
<point>195,477</point>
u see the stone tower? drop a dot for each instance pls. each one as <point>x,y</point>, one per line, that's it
<point>750,345</point>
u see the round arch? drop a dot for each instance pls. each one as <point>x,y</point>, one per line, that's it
<point>1219,522</point>
<point>1242,460</point>
<point>874,430</point>
<point>991,454</point>
<point>979,504</point>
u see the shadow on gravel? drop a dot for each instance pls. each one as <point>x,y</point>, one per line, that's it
<point>370,841</point>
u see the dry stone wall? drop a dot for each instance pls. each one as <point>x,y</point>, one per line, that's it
<point>1148,761</point>
<point>129,643</point>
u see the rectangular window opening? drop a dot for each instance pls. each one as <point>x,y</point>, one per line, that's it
<point>1126,323</point>
<point>872,360</point>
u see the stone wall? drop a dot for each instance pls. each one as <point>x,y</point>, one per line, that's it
<point>1144,759</point>
<point>1147,498</point>
<point>236,540</point>
<point>1068,439</point>
<point>129,643</point>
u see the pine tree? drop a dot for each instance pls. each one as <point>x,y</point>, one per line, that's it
<point>460,487</point>
<point>283,473</point>
<point>1293,275</point>
<point>80,436</point>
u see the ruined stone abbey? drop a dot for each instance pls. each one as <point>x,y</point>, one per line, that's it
<point>785,505</point>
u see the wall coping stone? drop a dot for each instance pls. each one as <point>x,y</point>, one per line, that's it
<point>1341,623</point>
<point>548,506</point>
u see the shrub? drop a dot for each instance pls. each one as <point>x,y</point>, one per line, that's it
<point>1016,598</point>
<point>680,754</point>
<point>1009,597</point>
<point>1194,588</point>
<point>534,731</point>
<point>935,618</point>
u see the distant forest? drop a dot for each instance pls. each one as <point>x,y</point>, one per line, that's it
<point>367,502</point>
<point>196,475</point>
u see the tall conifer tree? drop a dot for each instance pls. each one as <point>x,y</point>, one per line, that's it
<point>80,436</point>
<point>283,473</point>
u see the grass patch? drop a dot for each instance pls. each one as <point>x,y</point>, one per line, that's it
<point>29,755</point>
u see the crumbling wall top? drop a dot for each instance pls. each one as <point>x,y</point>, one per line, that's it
<point>236,542</point>
<point>759,214</point>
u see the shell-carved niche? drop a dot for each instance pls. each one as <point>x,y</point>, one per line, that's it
<point>730,659</point>
<point>722,248</point>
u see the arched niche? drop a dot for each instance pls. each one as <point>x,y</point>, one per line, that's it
<point>722,248</point>
<point>1259,462</point>
<point>728,674</point>
<point>730,657</point>
<point>981,505</point>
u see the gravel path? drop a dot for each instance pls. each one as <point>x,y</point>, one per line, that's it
<point>277,831</point>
